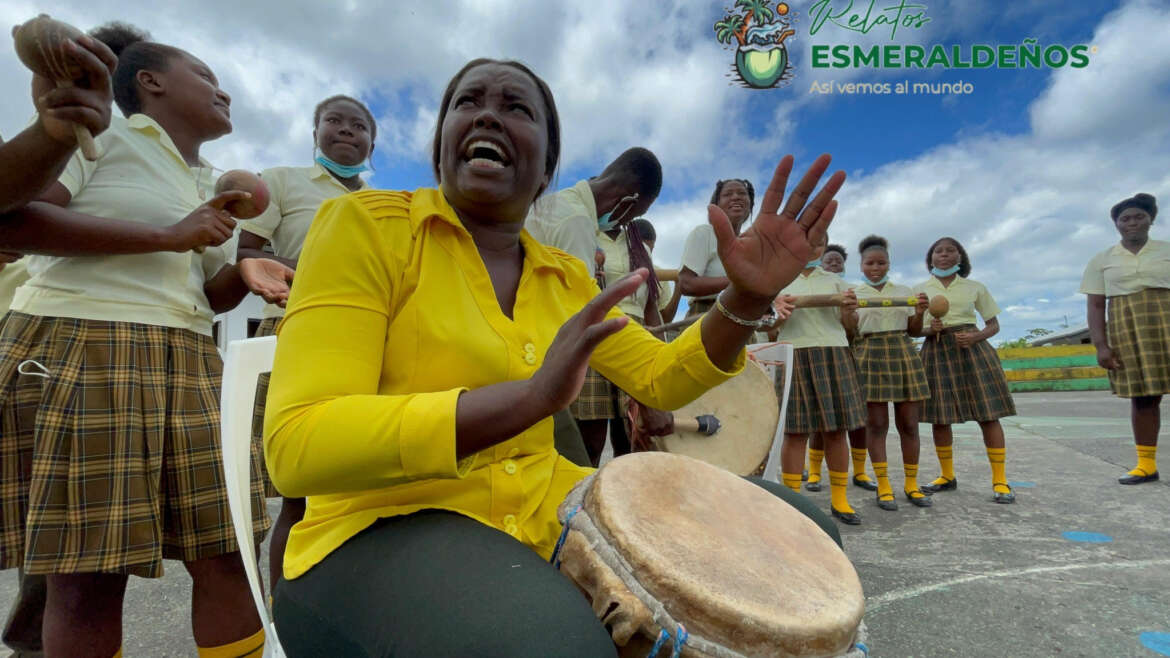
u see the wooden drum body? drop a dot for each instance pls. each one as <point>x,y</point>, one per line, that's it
<point>662,543</point>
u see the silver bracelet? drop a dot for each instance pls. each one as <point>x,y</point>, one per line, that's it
<point>766,321</point>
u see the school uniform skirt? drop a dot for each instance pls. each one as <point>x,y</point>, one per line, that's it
<point>111,462</point>
<point>965,383</point>
<point>597,400</point>
<point>1138,330</point>
<point>889,368</point>
<point>267,327</point>
<point>825,394</point>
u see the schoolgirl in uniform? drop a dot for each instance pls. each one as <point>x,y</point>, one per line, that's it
<point>965,376</point>
<point>825,396</point>
<point>890,370</point>
<point>109,373</point>
<point>344,131</point>
<point>1132,336</point>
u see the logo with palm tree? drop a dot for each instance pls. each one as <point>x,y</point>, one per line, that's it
<point>761,60</point>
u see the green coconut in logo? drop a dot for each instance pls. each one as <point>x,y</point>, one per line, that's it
<point>760,65</point>
<point>761,59</point>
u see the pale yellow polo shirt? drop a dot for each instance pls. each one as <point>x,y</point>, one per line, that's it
<point>815,327</point>
<point>1117,271</point>
<point>140,177</point>
<point>296,193</point>
<point>11,277</point>
<point>701,255</point>
<point>567,220</point>
<point>617,265</point>
<point>893,318</point>
<point>965,297</point>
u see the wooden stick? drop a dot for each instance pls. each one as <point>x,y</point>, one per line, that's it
<point>838,299</point>
<point>666,275</point>
<point>677,325</point>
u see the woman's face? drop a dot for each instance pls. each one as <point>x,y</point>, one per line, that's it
<point>193,91</point>
<point>945,255</point>
<point>874,264</point>
<point>734,200</point>
<point>1134,225</point>
<point>343,133</point>
<point>494,141</point>
<point>833,261</point>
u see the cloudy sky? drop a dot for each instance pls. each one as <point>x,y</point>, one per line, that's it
<point>1022,170</point>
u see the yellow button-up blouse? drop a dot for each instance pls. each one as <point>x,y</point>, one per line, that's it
<point>392,317</point>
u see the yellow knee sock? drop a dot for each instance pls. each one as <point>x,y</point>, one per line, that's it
<point>119,654</point>
<point>838,482</point>
<point>859,463</point>
<point>911,486</point>
<point>791,480</point>
<point>249,647</point>
<point>945,462</point>
<point>883,480</point>
<point>1147,464</point>
<point>815,458</point>
<point>997,456</point>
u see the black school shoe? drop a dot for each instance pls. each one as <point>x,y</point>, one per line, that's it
<point>920,501</point>
<point>1138,479</point>
<point>949,485</point>
<point>1005,498</point>
<point>848,518</point>
<point>813,486</point>
<point>887,504</point>
<point>868,485</point>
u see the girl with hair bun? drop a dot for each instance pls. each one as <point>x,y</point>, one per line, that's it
<point>1128,289</point>
<point>890,370</point>
<point>109,376</point>
<point>965,376</point>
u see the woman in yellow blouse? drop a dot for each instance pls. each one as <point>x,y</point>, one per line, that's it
<point>965,376</point>
<point>344,132</point>
<point>1134,343</point>
<point>423,441</point>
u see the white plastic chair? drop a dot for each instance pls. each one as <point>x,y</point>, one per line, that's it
<point>772,356</point>
<point>242,365</point>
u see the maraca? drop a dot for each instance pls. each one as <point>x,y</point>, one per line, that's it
<point>939,306</point>
<point>40,45</point>
<point>245,181</point>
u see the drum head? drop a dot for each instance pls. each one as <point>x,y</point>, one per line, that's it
<point>735,564</point>
<point>748,412</point>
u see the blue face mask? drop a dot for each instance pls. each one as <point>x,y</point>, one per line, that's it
<point>941,273</point>
<point>340,170</point>
<point>606,221</point>
<point>881,281</point>
<point>812,263</point>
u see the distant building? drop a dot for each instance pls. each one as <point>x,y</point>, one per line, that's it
<point>1073,336</point>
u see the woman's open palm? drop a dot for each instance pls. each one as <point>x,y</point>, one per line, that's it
<point>778,245</point>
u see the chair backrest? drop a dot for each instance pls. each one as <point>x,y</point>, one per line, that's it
<point>776,359</point>
<point>243,362</point>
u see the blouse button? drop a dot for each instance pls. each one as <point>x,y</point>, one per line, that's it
<point>509,467</point>
<point>530,358</point>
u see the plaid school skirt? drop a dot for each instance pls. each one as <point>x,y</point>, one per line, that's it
<point>889,368</point>
<point>112,462</point>
<point>965,383</point>
<point>825,395</point>
<point>267,327</point>
<point>1138,330</point>
<point>598,399</point>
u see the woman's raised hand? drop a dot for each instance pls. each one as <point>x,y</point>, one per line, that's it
<point>777,246</point>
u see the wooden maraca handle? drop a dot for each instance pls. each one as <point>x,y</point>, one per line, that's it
<point>81,133</point>
<point>666,275</point>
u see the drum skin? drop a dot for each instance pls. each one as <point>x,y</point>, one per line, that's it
<point>747,409</point>
<point>733,563</point>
